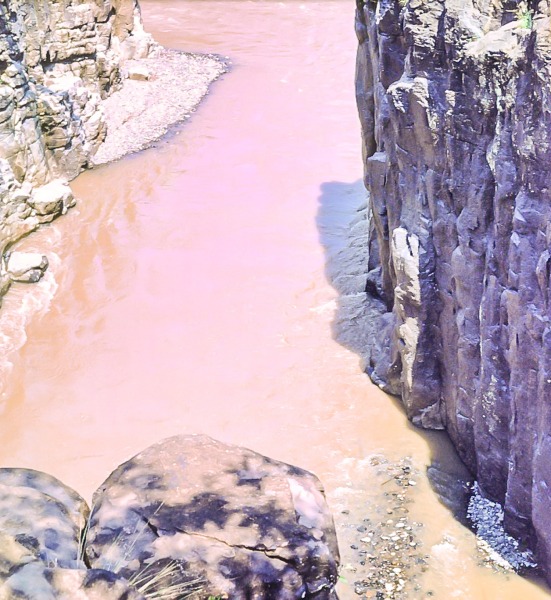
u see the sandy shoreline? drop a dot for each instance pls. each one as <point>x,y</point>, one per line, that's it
<point>157,92</point>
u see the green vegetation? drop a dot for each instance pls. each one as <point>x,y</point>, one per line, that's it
<point>524,16</point>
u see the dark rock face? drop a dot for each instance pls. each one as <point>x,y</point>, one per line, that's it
<point>454,102</point>
<point>193,512</point>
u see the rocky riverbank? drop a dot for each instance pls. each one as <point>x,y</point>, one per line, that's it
<point>80,84</point>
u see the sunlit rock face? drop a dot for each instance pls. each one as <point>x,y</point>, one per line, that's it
<point>454,100</point>
<point>58,58</point>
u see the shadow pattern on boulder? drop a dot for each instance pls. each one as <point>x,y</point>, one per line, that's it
<point>42,522</point>
<point>243,525</point>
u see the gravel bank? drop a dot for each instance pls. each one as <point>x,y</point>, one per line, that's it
<point>390,559</point>
<point>157,92</point>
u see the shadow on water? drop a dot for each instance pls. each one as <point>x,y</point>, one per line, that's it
<point>343,226</point>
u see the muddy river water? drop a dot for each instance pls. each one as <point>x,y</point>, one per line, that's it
<point>189,293</point>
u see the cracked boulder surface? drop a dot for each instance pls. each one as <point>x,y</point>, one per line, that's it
<point>239,524</point>
<point>454,100</point>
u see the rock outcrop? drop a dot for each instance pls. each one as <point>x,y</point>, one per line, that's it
<point>454,100</point>
<point>58,59</point>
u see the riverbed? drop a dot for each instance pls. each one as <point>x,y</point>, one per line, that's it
<point>193,290</point>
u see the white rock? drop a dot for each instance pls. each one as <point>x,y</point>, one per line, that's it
<point>53,198</point>
<point>26,267</point>
<point>138,73</point>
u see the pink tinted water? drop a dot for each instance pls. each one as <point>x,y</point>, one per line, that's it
<point>187,292</point>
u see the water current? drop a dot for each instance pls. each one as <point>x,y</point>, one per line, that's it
<point>192,290</point>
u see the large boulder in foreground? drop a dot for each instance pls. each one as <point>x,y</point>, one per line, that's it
<point>192,511</point>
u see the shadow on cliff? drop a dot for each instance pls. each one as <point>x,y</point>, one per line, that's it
<point>343,227</point>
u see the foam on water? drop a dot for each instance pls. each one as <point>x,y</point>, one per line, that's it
<point>23,303</point>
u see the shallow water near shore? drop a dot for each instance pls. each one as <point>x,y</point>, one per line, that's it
<point>188,293</point>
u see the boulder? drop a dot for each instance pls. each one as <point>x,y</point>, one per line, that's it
<point>76,506</point>
<point>193,511</point>
<point>41,520</point>
<point>35,581</point>
<point>138,73</point>
<point>53,199</point>
<point>26,267</point>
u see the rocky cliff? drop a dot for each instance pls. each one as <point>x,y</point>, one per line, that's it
<point>454,98</point>
<point>58,58</point>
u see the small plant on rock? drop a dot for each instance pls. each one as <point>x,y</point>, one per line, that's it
<point>524,16</point>
<point>165,583</point>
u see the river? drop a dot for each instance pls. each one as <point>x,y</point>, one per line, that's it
<point>189,293</point>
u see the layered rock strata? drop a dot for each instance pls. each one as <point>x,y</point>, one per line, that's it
<point>454,100</point>
<point>58,59</point>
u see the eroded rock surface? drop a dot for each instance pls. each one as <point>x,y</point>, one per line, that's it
<point>454,101</point>
<point>238,524</point>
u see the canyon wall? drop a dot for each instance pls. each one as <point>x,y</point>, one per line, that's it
<point>454,98</point>
<point>58,58</point>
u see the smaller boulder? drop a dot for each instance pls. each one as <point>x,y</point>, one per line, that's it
<point>139,73</point>
<point>52,199</point>
<point>49,485</point>
<point>26,267</point>
<point>41,521</point>
<point>35,527</point>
